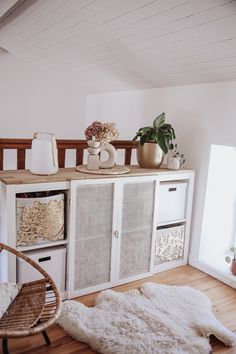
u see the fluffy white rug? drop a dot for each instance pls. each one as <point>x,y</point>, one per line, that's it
<point>160,319</point>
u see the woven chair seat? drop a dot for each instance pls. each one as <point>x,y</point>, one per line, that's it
<point>35,308</point>
<point>26,308</point>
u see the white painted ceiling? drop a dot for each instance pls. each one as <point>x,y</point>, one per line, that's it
<point>115,45</point>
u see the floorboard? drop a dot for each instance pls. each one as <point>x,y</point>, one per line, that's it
<point>222,296</point>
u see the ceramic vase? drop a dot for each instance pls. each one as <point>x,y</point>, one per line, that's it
<point>93,157</point>
<point>112,156</point>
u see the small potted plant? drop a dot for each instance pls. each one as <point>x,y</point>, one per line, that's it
<point>232,260</point>
<point>176,159</point>
<point>155,141</point>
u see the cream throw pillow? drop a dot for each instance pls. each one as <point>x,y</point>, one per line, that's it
<point>8,292</point>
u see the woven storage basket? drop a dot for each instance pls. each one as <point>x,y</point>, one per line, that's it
<point>40,220</point>
<point>169,245</point>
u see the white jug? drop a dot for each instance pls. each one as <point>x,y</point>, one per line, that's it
<point>44,158</point>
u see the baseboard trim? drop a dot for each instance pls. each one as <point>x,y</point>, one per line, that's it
<point>215,273</point>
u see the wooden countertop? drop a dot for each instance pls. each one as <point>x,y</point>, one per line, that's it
<point>69,174</point>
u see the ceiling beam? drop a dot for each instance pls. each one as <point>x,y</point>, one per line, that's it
<point>10,9</point>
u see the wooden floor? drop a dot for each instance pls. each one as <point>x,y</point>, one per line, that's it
<point>222,296</point>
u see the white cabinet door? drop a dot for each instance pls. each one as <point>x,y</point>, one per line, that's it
<point>136,228</point>
<point>93,234</point>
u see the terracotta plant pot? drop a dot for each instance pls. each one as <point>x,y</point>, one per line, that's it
<point>233,267</point>
<point>149,155</point>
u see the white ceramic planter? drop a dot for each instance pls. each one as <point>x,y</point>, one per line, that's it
<point>173,163</point>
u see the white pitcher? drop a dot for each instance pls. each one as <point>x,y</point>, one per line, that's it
<point>44,156</point>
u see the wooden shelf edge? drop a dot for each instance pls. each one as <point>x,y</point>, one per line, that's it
<point>41,245</point>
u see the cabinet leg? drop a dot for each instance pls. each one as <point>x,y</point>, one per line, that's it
<point>5,346</point>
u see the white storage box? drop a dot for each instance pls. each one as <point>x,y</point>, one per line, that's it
<point>39,219</point>
<point>169,244</point>
<point>171,202</point>
<point>52,260</point>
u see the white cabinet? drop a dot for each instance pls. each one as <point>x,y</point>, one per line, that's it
<point>110,224</point>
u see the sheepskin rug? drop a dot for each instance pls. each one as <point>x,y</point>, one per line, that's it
<point>157,319</point>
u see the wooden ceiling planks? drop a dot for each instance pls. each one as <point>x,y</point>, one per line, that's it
<point>115,45</point>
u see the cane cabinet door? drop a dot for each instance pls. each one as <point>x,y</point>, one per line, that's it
<point>93,235</point>
<point>136,228</point>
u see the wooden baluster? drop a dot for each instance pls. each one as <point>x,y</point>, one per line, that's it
<point>61,157</point>
<point>79,156</point>
<point>20,159</point>
<point>1,159</point>
<point>128,152</point>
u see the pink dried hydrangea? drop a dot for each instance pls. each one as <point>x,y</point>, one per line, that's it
<point>93,130</point>
<point>104,132</point>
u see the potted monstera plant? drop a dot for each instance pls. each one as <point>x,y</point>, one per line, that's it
<point>155,141</point>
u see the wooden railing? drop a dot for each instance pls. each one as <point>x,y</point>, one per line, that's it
<point>21,145</point>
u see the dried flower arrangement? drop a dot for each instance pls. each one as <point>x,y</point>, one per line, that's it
<point>104,132</point>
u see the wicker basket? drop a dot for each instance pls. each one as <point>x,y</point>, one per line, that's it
<point>169,244</point>
<point>39,219</point>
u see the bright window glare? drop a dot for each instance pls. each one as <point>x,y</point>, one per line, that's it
<point>219,220</point>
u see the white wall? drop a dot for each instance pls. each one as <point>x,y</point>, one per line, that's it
<point>31,100</point>
<point>201,114</point>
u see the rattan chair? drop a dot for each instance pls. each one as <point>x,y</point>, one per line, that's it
<point>35,308</point>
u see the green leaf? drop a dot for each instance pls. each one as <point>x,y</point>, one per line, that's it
<point>159,121</point>
<point>136,137</point>
<point>151,136</point>
<point>173,134</point>
<point>143,140</point>
<point>162,143</point>
<point>227,259</point>
<point>145,129</point>
<point>142,131</point>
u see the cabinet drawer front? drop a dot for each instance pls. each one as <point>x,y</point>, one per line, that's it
<point>171,201</point>
<point>93,235</point>
<point>136,229</point>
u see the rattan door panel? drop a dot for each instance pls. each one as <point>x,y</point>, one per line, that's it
<point>135,253</point>
<point>93,235</point>
<point>136,228</point>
